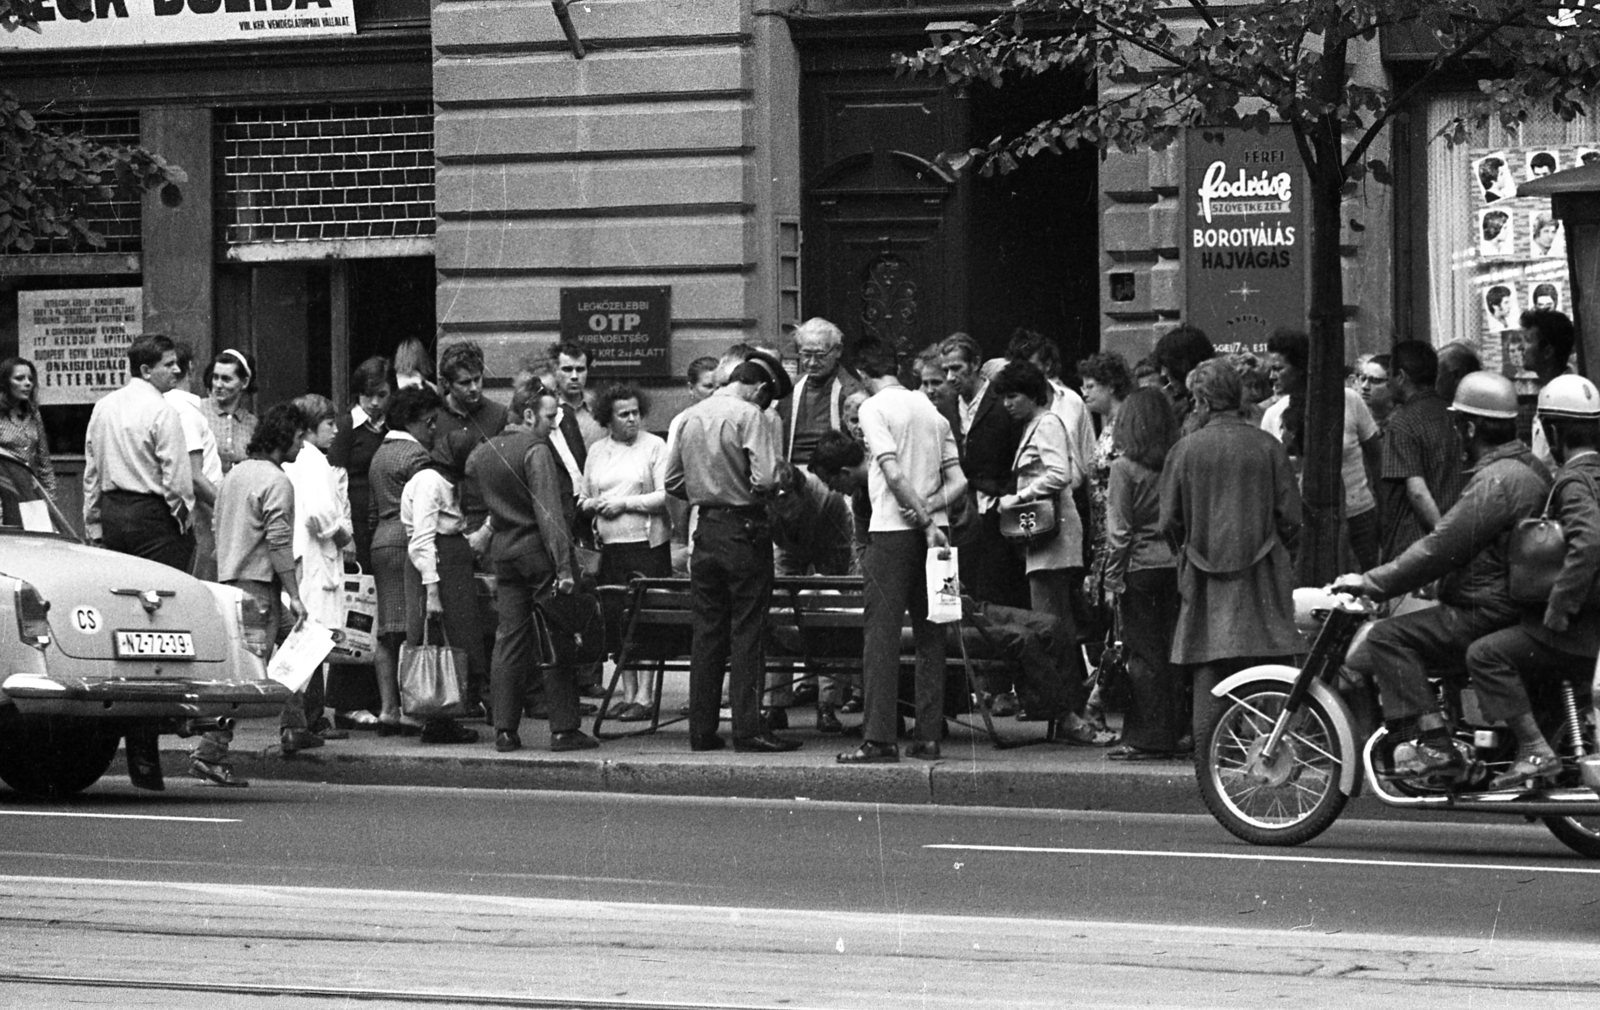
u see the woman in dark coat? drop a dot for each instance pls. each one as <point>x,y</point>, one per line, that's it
<point>1230,504</point>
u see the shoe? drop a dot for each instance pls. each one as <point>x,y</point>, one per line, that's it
<point>448,731</point>
<point>1074,732</point>
<point>1528,770</point>
<point>1004,705</point>
<point>927,750</point>
<point>573,739</point>
<point>870,753</point>
<point>216,774</point>
<point>707,743</point>
<point>506,741</point>
<point>777,718</point>
<point>1128,752</point>
<point>634,712</point>
<point>328,730</point>
<point>405,727</point>
<point>592,691</point>
<point>827,722</point>
<point>294,740</point>
<point>584,708</point>
<point>358,719</point>
<point>765,743</point>
<point>806,693</point>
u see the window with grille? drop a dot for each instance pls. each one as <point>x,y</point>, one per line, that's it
<point>119,217</point>
<point>326,173</point>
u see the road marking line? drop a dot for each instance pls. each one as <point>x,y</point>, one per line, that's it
<point>1262,858</point>
<point>120,817</point>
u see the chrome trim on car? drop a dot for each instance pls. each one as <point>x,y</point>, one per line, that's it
<point>115,697</point>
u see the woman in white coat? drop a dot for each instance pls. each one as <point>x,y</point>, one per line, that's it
<point>321,531</point>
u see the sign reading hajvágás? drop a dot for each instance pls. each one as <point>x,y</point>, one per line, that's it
<point>1244,235</point>
<point>121,23</point>
<point>628,330</point>
<point>78,340</point>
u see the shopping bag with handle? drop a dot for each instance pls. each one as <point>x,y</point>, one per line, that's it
<point>432,679</point>
<point>356,642</point>
<point>944,585</point>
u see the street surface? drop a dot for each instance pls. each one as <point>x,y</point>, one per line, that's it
<point>522,898</point>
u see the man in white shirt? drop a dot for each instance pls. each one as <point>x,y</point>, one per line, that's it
<point>915,473</point>
<point>138,485</point>
<point>205,464</point>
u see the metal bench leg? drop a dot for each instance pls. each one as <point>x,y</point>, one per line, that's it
<point>976,689</point>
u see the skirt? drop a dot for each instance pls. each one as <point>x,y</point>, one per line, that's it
<point>389,573</point>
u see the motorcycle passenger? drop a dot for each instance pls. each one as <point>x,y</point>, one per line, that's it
<point>1466,553</point>
<point>1563,640</point>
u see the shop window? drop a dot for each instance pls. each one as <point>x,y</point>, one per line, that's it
<point>327,174</point>
<point>117,217</point>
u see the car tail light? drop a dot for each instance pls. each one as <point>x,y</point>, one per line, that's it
<point>33,615</point>
<point>254,618</point>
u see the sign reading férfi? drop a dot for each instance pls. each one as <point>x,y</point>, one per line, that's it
<point>1244,234</point>
<point>628,331</point>
<point>79,340</point>
<point>114,24</point>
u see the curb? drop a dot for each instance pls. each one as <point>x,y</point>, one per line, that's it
<point>1168,789</point>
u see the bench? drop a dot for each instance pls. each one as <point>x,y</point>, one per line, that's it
<point>815,622</point>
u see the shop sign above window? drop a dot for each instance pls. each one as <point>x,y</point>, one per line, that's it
<point>628,331</point>
<point>124,23</point>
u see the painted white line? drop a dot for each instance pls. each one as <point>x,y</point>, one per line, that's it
<point>119,817</point>
<point>1242,857</point>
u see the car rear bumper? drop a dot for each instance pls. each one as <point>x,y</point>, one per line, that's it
<point>145,698</point>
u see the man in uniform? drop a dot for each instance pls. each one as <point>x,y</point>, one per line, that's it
<point>723,462</point>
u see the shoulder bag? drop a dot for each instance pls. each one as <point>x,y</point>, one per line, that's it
<point>1031,524</point>
<point>1536,552</point>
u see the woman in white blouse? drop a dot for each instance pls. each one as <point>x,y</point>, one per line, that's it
<point>439,581</point>
<point>624,491</point>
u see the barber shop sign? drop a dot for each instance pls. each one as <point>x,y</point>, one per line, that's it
<point>1244,235</point>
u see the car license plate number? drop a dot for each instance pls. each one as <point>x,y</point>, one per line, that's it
<point>154,645</point>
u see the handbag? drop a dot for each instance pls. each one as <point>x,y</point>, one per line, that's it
<point>1536,552</point>
<point>433,679</point>
<point>1032,524</point>
<point>575,623</point>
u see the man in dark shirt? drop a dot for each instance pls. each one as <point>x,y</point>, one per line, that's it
<point>1423,469</point>
<point>532,555</point>
<point>467,409</point>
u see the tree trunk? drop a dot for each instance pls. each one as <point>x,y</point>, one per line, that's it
<point>1321,486</point>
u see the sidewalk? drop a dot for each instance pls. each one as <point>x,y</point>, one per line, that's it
<point>972,773</point>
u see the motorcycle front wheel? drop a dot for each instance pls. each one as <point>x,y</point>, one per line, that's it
<point>1286,798</point>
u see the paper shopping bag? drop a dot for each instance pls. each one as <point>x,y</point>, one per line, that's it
<point>300,655</point>
<point>944,585</point>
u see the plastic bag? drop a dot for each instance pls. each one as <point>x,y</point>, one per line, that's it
<point>944,585</point>
<point>356,641</point>
<point>300,655</point>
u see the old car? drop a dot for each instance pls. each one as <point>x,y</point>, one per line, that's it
<point>110,647</point>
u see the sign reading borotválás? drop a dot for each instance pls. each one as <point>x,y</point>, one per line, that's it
<point>115,24</point>
<point>78,340</point>
<point>628,331</point>
<point>1244,235</point>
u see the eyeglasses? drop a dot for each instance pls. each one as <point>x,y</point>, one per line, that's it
<point>817,355</point>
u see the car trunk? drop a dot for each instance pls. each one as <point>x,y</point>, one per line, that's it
<point>94,595</point>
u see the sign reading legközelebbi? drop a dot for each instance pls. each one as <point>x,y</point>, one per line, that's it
<point>121,23</point>
<point>628,330</point>
<point>78,340</point>
<point>1244,235</point>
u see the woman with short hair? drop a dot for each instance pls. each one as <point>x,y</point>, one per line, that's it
<point>21,427</point>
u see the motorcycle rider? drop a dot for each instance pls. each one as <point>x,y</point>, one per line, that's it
<point>1466,552</point>
<point>1563,640</point>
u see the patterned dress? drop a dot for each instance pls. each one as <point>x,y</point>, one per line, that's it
<point>1099,482</point>
<point>233,431</point>
<point>24,438</point>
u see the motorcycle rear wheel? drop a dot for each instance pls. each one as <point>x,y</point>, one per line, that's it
<point>1288,800</point>
<point>1580,834</point>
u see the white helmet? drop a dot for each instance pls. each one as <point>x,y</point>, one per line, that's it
<point>1570,396</point>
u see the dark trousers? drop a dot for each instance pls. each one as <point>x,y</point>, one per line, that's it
<point>893,572</point>
<point>1149,607</point>
<point>1499,661</point>
<point>517,648</point>
<point>1364,538</point>
<point>730,582</point>
<point>1399,651</point>
<point>142,525</point>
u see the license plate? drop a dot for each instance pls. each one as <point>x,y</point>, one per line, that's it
<point>154,645</point>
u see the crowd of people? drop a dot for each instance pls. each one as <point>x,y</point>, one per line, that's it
<point>1171,485</point>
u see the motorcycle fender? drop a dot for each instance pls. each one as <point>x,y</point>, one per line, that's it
<point>1338,711</point>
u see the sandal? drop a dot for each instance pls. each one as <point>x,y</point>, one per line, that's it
<point>633,712</point>
<point>1128,752</point>
<point>1528,770</point>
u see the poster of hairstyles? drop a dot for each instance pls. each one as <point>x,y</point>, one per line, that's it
<point>1500,307</point>
<point>1543,163</point>
<point>1493,173</point>
<point>1546,295</point>
<point>1496,236</point>
<point>1545,235</point>
<point>1587,156</point>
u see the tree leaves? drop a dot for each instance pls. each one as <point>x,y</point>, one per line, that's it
<point>48,179</point>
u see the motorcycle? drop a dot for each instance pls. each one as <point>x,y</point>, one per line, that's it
<point>1282,753</point>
